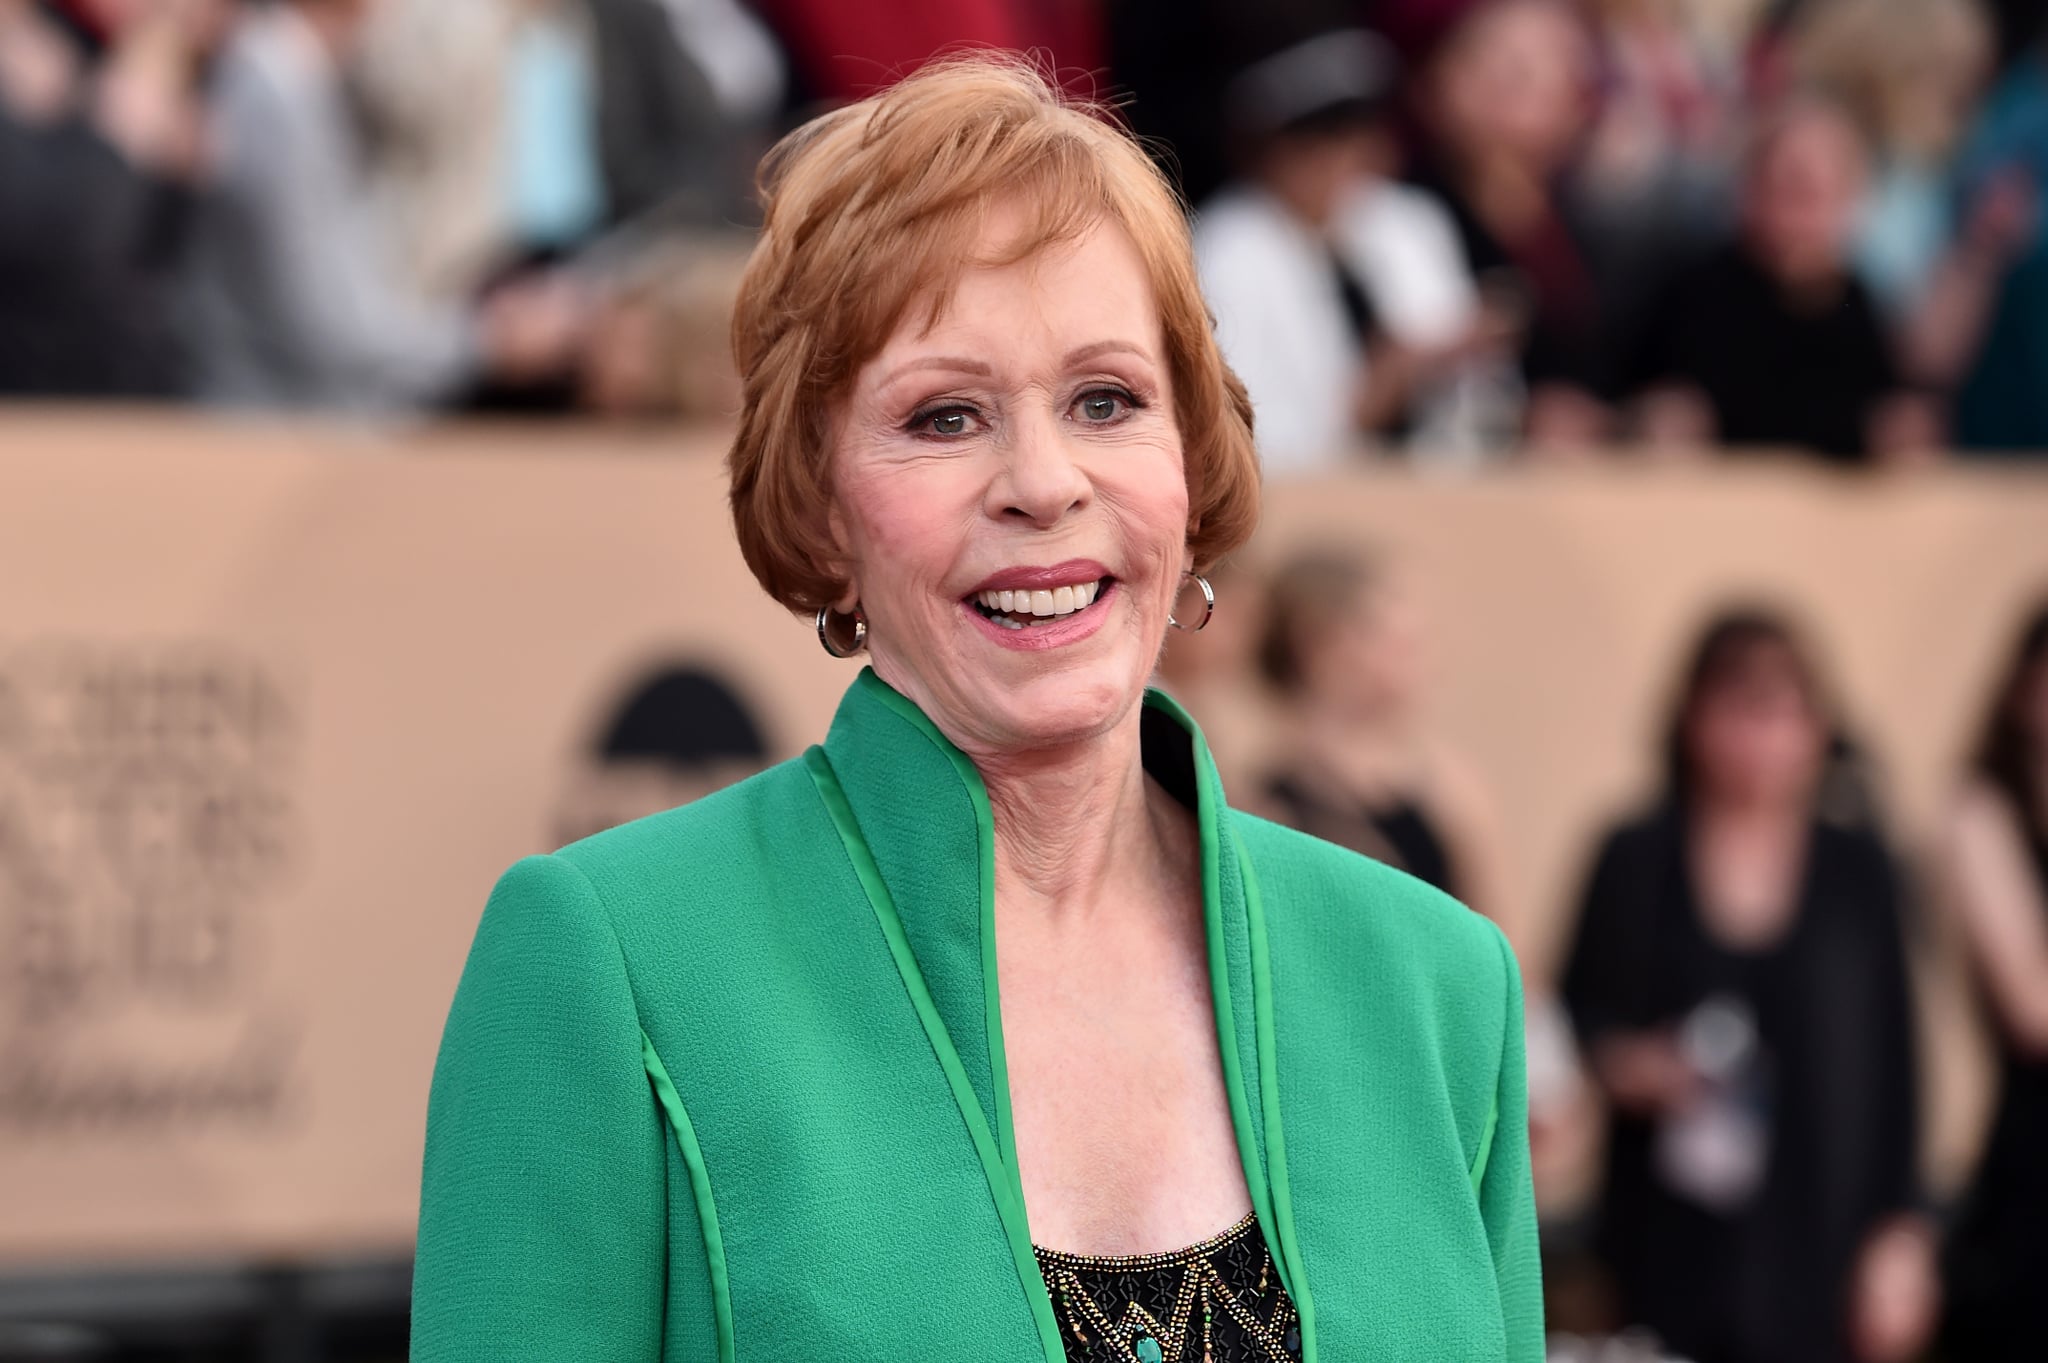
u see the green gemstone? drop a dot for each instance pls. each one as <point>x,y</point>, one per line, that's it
<point>1147,1349</point>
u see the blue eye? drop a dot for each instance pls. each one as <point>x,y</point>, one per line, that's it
<point>1101,406</point>
<point>944,422</point>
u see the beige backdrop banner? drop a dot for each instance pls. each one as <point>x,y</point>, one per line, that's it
<point>277,705</point>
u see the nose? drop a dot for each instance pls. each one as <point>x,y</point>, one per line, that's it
<point>1040,481</point>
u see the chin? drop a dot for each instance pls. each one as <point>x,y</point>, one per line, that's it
<point>1061,706</point>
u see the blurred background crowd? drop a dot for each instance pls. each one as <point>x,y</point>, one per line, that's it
<point>1729,1041</point>
<point>1445,230</point>
<point>1449,234</point>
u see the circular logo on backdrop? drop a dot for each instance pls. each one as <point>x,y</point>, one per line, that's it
<point>676,731</point>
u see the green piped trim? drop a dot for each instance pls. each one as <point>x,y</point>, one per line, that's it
<point>985,830</point>
<point>1003,1185</point>
<point>1269,1102</point>
<point>700,1188</point>
<point>1485,1146</point>
<point>1207,824</point>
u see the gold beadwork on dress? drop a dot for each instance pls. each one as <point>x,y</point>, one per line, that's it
<point>1220,1301</point>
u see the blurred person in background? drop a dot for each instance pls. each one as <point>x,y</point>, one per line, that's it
<point>1504,104</point>
<point>294,289</point>
<point>656,348</point>
<point>1653,184</point>
<point>1996,863</point>
<point>1939,240</point>
<point>1352,758</point>
<point>101,143</point>
<point>510,133</point>
<point>1342,297</point>
<point>1773,340</point>
<point>1739,985</point>
<point>1999,332</point>
<point>1909,74</point>
<point>1345,650</point>
<point>1171,59</point>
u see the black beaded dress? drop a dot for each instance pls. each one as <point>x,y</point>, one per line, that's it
<point>1220,1301</point>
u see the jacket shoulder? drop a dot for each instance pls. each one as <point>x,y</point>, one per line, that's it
<point>711,850</point>
<point>1368,909</point>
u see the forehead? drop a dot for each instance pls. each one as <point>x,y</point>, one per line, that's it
<point>1016,296</point>
<point>1756,665</point>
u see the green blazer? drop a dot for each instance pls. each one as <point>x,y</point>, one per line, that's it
<point>728,1083</point>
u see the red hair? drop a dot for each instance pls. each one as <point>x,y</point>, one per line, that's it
<point>877,208</point>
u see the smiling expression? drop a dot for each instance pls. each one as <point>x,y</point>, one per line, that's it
<point>1011,500</point>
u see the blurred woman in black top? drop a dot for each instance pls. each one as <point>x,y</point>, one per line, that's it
<point>1739,986</point>
<point>1357,763</point>
<point>1996,847</point>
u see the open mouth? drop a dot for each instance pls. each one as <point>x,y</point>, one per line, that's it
<point>1025,609</point>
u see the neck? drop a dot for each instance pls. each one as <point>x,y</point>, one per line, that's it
<point>1076,825</point>
<point>1505,189</point>
<point>1808,281</point>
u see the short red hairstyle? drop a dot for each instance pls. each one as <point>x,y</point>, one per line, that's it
<point>877,208</point>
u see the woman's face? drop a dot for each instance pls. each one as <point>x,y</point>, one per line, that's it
<point>1754,735</point>
<point>1373,658</point>
<point>1011,498</point>
<point>1803,196</point>
<point>1515,82</point>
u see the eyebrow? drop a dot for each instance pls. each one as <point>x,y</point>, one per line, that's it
<point>960,364</point>
<point>952,364</point>
<point>1089,352</point>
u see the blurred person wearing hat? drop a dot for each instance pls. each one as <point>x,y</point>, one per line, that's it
<point>1341,295</point>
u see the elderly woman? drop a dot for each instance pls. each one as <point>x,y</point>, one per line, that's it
<point>987,1029</point>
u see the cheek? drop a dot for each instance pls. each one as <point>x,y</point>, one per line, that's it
<point>1788,746</point>
<point>1149,498</point>
<point>903,528</point>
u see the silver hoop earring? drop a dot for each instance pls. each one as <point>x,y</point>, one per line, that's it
<point>860,633</point>
<point>1208,607</point>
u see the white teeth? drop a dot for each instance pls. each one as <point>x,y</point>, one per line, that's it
<point>1055,602</point>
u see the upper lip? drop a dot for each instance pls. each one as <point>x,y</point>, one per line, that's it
<point>1072,573</point>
